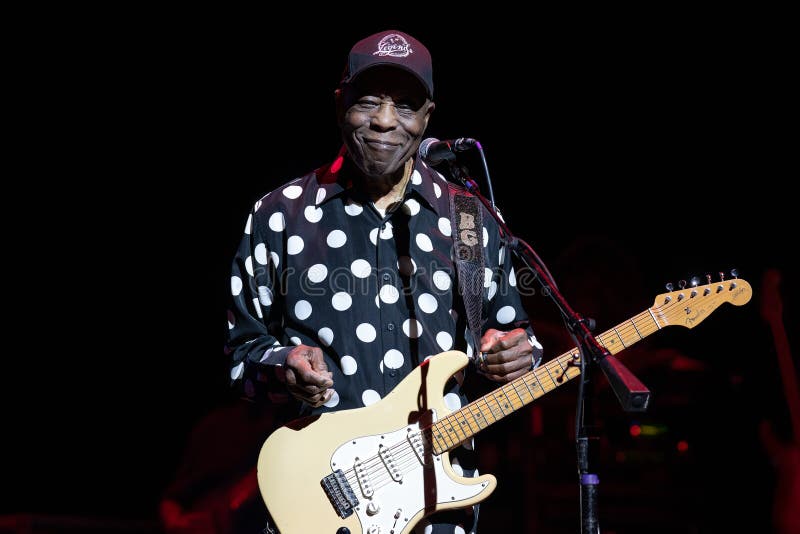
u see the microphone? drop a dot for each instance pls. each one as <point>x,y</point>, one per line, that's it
<point>432,151</point>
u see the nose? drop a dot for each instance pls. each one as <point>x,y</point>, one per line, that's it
<point>385,116</point>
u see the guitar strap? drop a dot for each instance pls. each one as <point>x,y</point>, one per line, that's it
<point>466,220</point>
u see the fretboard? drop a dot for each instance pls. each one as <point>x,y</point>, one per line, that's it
<point>462,424</point>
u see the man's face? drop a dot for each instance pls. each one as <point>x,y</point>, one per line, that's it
<point>383,115</point>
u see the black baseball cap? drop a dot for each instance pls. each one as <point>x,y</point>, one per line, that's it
<point>392,48</point>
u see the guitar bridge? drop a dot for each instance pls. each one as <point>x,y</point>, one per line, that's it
<point>340,493</point>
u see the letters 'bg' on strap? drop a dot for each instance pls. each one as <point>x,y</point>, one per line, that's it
<point>466,220</point>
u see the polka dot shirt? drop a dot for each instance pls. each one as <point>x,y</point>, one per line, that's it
<point>318,265</point>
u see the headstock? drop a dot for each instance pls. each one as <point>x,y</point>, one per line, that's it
<point>690,305</point>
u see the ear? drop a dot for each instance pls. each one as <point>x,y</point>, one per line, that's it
<point>431,106</point>
<point>340,106</point>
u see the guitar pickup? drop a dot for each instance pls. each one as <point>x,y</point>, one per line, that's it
<point>418,445</point>
<point>340,493</point>
<point>389,462</point>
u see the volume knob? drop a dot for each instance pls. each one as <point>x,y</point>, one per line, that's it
<point>373,508</point>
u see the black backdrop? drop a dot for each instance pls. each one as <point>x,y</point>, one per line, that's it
<point>663,136</point>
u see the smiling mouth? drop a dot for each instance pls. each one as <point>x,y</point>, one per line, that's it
<point>381,145</point>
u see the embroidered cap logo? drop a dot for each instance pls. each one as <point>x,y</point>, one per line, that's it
<point>393,45</point>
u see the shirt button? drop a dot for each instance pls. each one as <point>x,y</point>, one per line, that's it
<point>390,327</point>
<point>386,277</point>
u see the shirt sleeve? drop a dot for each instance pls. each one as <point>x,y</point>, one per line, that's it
<point>254,324</point>
<point>503,290</point>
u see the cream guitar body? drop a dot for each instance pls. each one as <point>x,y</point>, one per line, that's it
<point>383,455</point>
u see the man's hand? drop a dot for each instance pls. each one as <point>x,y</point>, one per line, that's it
<point>307,375</point>
<point>508,355</point>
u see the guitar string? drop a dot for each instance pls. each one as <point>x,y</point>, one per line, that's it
<point>376,465</point>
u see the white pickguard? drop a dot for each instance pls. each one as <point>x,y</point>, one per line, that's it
<point>392,503</point>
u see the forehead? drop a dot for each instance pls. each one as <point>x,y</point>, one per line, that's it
<point>389,81</point>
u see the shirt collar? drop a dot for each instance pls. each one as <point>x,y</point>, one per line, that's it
<point>426,184</point>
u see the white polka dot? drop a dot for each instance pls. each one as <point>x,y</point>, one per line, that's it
<point>249,225</point>
<point>237,372</point>
<point>257,307</point>
<point>506,314</point>
<point>258,203</point>
<point>313,214</point>
<point>248,265</point>
<point>424,242</point>
<point>534,342</point>
<point>454,463</point>
<point>485,237</point>
<point>512,278</point>
<point>276,222</point>
<point>445,227</point>
<point>294,245</point>
<point>411,207</point>
<point>470,445</point>
<point>265,296</point>
<point>452,401</point>
<point>427,303</point>
<point>275,259</point>
<point>325,336</point>
<point>353,208</point>
<point>492,289</point>
<point>360,268</point>
<point>366,332</point>
<point>423,527</point>
<point>341,301</point>
<point>412,328</point>
<point>302,310</point>
<point>334,400</point>
<point>373,236</point>
<point>236,285</point>
<point>444,340</point>
<point>393,359</point>
<point>260,254</point>
<point>317,273</point>
<point>336,239</point>
<point>501,256</point>
<point>487,277</point>
<point>441,280</point>
<point>387,232</point>
<point>349,365</point>
<point>458,530</point>
<point>293,191</point>
<point>416,177</point>
<point>470,350</point>
<point>370,396</point>
<point>441,176</point>
<point>321,195</point>
<point>231,320</point>
<point>437,190</point>
<point>406,266</point>
<point>377,301</point>
<point>296,340</point>
<point>389,294</point>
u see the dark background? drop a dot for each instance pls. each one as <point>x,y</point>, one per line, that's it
<point>664,139</point>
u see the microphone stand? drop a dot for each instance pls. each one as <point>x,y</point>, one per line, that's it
<point>631,393</point>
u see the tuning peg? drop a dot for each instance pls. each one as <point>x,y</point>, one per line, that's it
<point>669,286</point>
<point>682,284</point>
<point>695,281</point>
<point>721,276</point>
<point>708,278</point>
<point>735,273</point>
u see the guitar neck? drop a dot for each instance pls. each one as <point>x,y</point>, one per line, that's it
<point>462,424</point>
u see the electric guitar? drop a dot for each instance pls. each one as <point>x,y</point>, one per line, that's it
<point>382,468</point>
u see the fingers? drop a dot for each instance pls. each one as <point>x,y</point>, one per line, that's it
<point>506,355</point>
<point>307,375</point>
